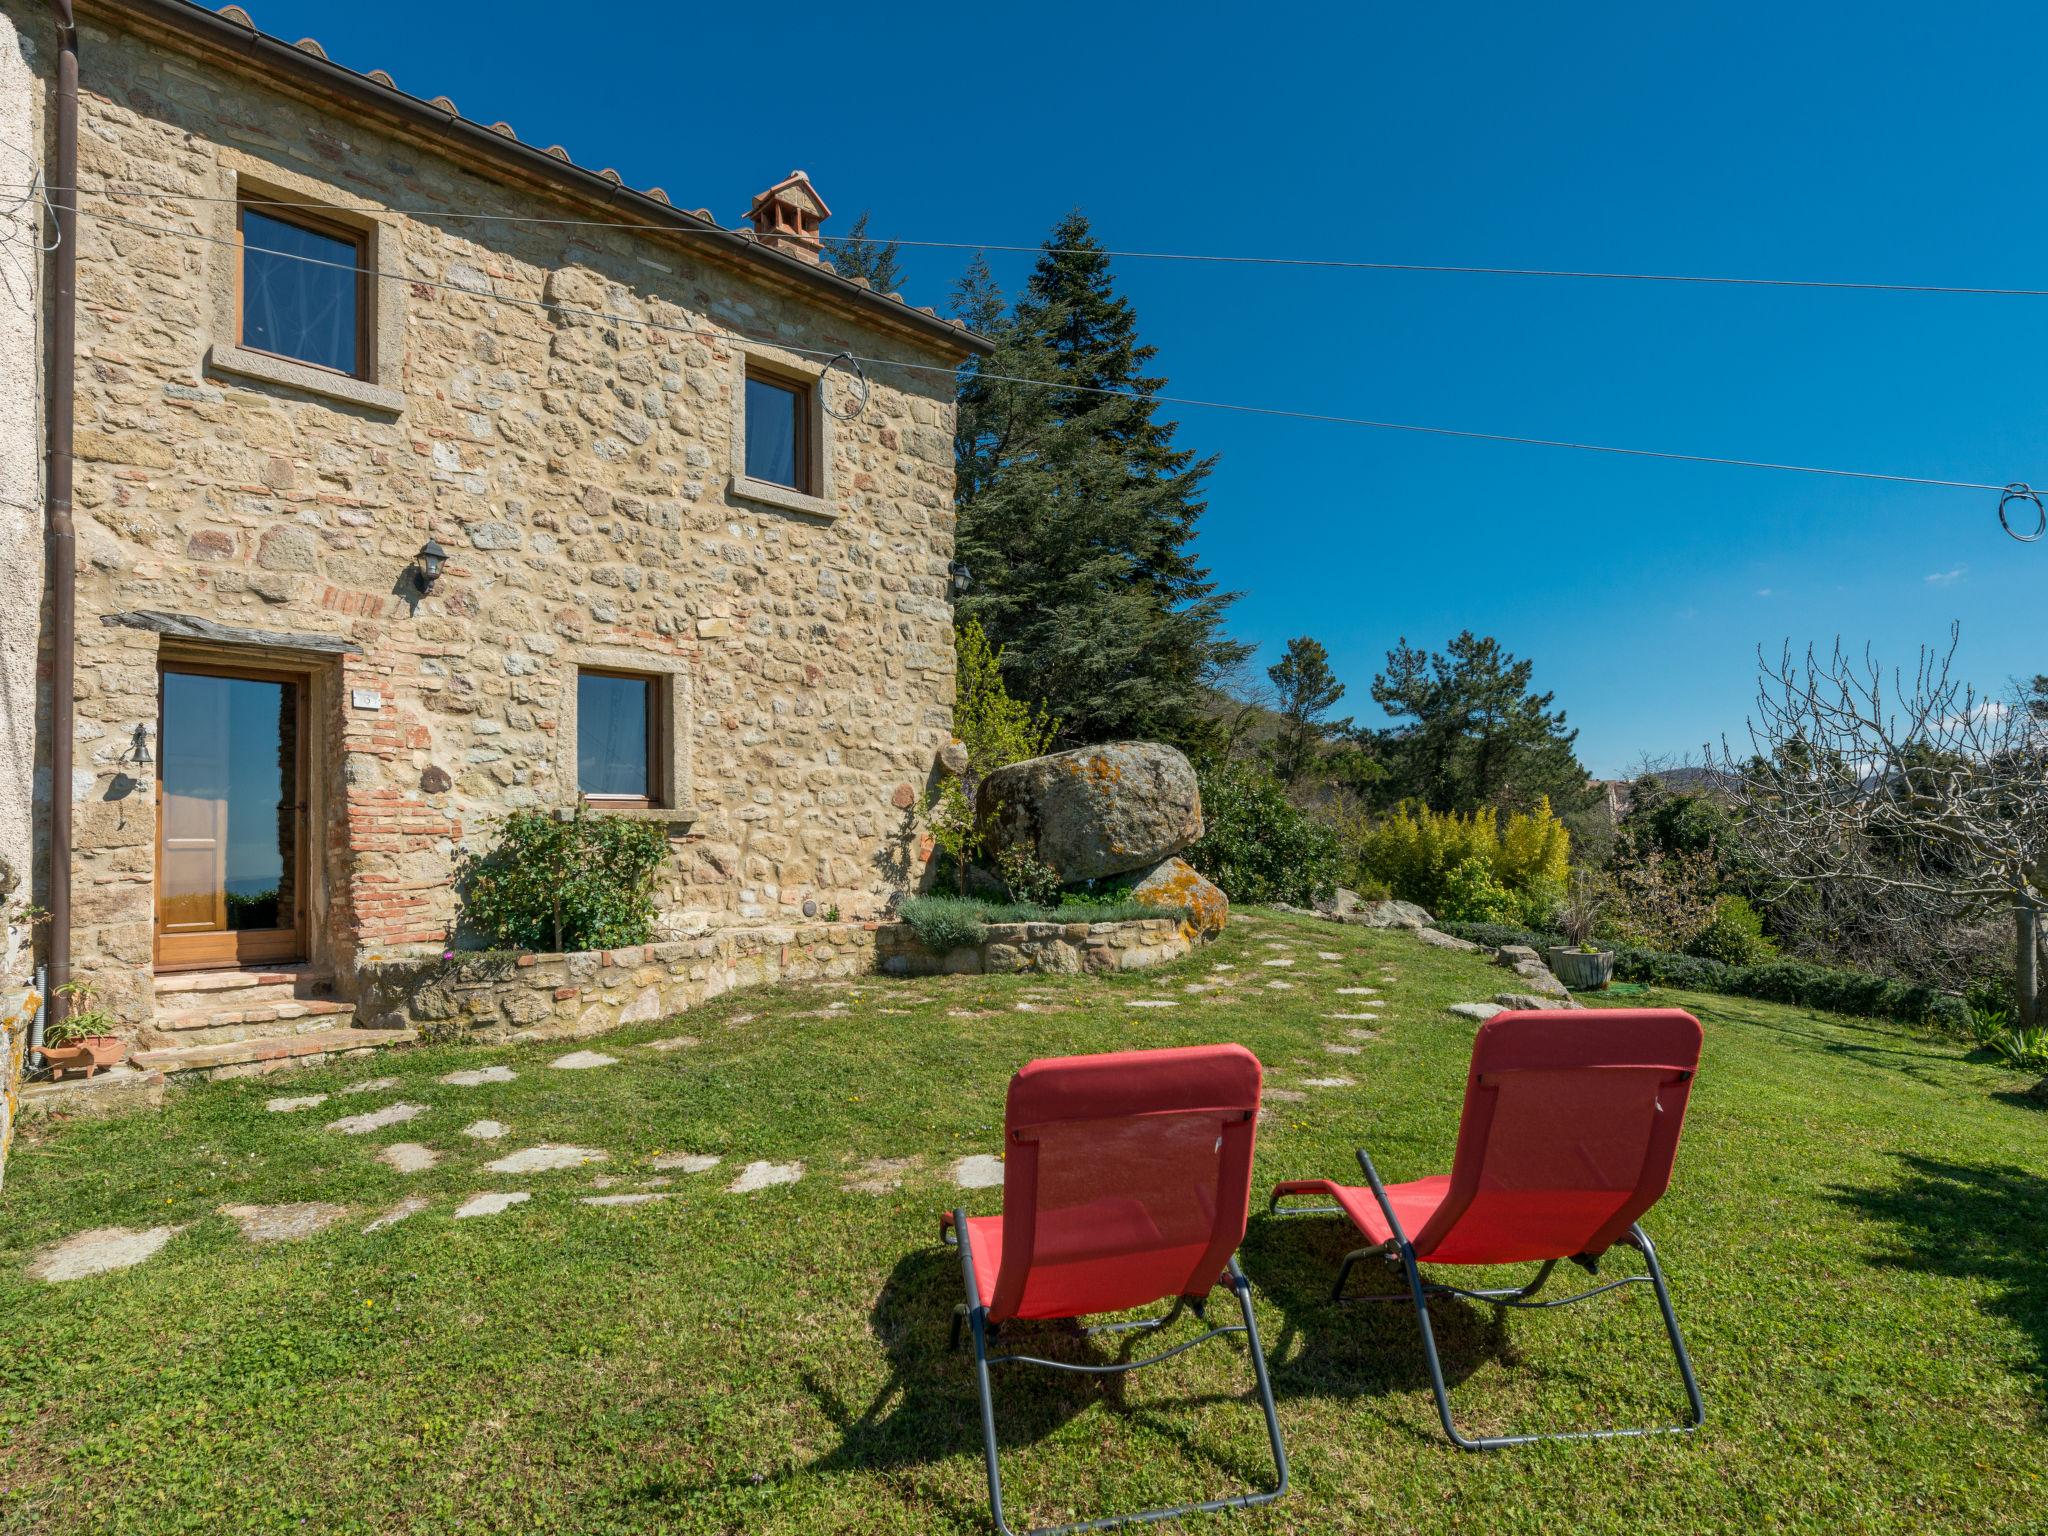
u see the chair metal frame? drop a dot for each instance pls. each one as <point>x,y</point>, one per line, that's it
<point>1399,1250</point>
<point>973,1314</point>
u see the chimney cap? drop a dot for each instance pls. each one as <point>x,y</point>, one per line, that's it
<point>787,215</point>
<point>795,189</point>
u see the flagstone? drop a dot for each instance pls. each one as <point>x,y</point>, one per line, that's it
<point>685,1162</point>
<point>577,1061</point>
<point>376,1119</point>
<point>287,1106</point>
<point>371,1085</point>
<point>491,1203</point>
<point>412,1205</point>
<point>674,1043</point>
<point>642,1199</point>
<point>1152,1002</point>
<point>1329,1082</point>
<point>97,1252</point>
<point>409,1157</point>
<point>283,1223</point>
<point>763,1176</point>
<point>485,1130</point>
<point>980,1171</point>
<point>476,1077</point>
<point>546,1158</point>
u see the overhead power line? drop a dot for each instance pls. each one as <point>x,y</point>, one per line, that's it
<point>2015,494</point>
<point>1325,263</point>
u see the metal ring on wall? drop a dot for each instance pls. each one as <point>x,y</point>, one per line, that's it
<point>856,379</point>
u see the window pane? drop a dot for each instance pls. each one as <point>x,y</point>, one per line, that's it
<point>229,749</point>
<point>299,292</point>
<point>612,715</point>
<point>773,416</point>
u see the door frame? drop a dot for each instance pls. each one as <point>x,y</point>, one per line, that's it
<point>231,948</point>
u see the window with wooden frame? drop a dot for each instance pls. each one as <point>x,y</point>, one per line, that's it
<point>779,427</point>
<point>621,738</point>
<point>303,288</point>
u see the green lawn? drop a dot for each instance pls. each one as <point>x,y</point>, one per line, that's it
<point>1857,1240</point>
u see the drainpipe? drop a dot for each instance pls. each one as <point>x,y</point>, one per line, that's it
<point>63,187</point>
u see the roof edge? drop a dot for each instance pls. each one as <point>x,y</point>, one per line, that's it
<point>228,35</point>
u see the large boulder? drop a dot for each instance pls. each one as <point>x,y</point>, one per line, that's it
<point>1094,811</point>
<point>1175,882</point>
<point>1390,914</point>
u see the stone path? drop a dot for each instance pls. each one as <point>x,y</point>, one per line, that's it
<point>579,1061</point>
<point>283,1223</point>
<point>674,1043</point>
<point>287,1106</point>
<point>97,1252</point>
<point>879,1175</point>
<point>412,1205</point>
<point>764,1176</point>
<point>491,1204</point>
<point>1276,962</point>
<point>980,1171</point>
<point>1286,1095</point>
<point>1364,1018</point>
<point>644,1198</point>
<point>409,1157</point>
<point>546,1158</point>
<point>1358,991</point>
<point>1329,1082</point>
<point>1341,1050</point>
<point>372,1085</point>
<point>376,1119</point>
<point>1279,986</point>
<point>685,1162</point>
<point>1152,1002</point>
<point>485,1130</point>
<point>476,1077</point>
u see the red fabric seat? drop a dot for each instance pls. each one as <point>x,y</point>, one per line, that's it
<point>1126,1180</point>
<point>1569,1132</point>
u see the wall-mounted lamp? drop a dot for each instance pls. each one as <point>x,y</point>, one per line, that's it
<point>428,562</point>
<point>138,753</point>
<point>963,578</point>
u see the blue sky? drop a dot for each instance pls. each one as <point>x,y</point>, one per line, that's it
<point>1888,142</point>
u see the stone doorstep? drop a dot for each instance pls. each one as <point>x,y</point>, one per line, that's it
<point>248,1058</point>
<point>254,1013</point>
<point>243,985</point>
<point>115,1091</point>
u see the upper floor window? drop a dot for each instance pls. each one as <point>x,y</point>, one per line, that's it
<point>778,432</point>
<point>618,738</point>
<point>303,283</point>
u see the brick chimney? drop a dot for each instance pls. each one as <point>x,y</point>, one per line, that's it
<point>788,214</point>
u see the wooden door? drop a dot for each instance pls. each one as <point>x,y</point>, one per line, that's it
<point>230,810</point>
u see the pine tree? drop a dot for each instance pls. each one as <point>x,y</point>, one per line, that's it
<point>1077,513</point>
<point>1471,734</point>
<point>854,254</point>
<point>1306,690</point>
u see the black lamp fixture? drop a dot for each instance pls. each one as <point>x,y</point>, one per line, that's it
<point>963,578</point>
<point>429,561</point>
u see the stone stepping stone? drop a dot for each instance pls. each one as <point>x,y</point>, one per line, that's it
<point>97,1252</point>
<point>685,1162</point>
<point>1358,991</point>
<point>372,1085</point>
<point>640,1199</point>
<point>879,1175</point>
<point>1328,954</point>
<point>485,1130</point>
<point>476,1077</point>
<point>1276,962</point>
<point>1152,1002</point>
<point>579,1061</point>
<point>1343,1050</point>
<point>674,1043</point>
<point>287,1106</point>
<point>547,1159</point>
<point>1363,1034</point>
<point>764,1176</point>
<point>491,1204</point>
<point>1279,986</point>
<point>1362,1018</point>
<point>1328,1082</point>
<point>1223,967</point>
<point>376,1119</point>
<point>411,1205</point>
<point>1287,1095</point>
<point>283,1223</point>
<point>979,1171</point>
<point>1278,944</point>
<point>741,1018</point>
<point>1480,1011</point>
<point>408,1157</point>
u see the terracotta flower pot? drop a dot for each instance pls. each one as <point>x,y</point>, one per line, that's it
<point>88,1055</point>
<point>1583,970</point>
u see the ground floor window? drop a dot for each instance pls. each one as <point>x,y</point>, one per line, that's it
<point>618,738</point>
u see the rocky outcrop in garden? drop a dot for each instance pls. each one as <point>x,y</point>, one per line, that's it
<point>1094,812</point>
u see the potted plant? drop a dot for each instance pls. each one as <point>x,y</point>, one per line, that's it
<point>83,1041</point>
<point>1580,963</point>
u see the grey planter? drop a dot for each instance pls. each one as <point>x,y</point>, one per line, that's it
<point>1582,970</point>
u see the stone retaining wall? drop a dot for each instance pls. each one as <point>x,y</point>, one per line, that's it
<point>505,996</point>
<point>17,1013</point>
<point>1066,948</point>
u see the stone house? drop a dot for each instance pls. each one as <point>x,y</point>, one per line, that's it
<point>391,519</point>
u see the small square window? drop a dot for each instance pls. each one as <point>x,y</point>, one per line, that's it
<point>618,738</point>
<point>778,432</point>
<point>302,290</point>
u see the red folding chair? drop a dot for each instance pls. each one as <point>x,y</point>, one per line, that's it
<point>1570,1126</point>
<point>1126,1181</point>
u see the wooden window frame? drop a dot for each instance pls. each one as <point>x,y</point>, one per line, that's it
<point>805,391</point>
<point>357,238</point>
<point>656,797</point>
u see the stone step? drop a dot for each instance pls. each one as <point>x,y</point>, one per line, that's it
<point>238,1021</point>
<point>239,987</point>
<point>270,1053</point>
<point>113,1091</point>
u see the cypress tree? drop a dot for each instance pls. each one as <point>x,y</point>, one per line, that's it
<point>855,254</point>
<point>1077,512</point>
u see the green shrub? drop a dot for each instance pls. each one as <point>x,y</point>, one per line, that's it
<point>945,922</point>
<point>1794,981</point>
<point>1471,894</point>
<point>1498,935</point>
<point>1258,846</point>
<point>2026,1049</point>
<point>956,922</point>
<point>1027,877</point>
<point>566,883</point>
<point>1734,934</point>
<point>1417,852</point>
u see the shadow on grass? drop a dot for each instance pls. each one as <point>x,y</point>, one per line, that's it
<point>1972,1223</point>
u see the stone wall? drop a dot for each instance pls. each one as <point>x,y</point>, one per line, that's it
<point>17,1013</point>
<point>579,469</point>
<point>502,996</point>
<point>1063,948</point>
